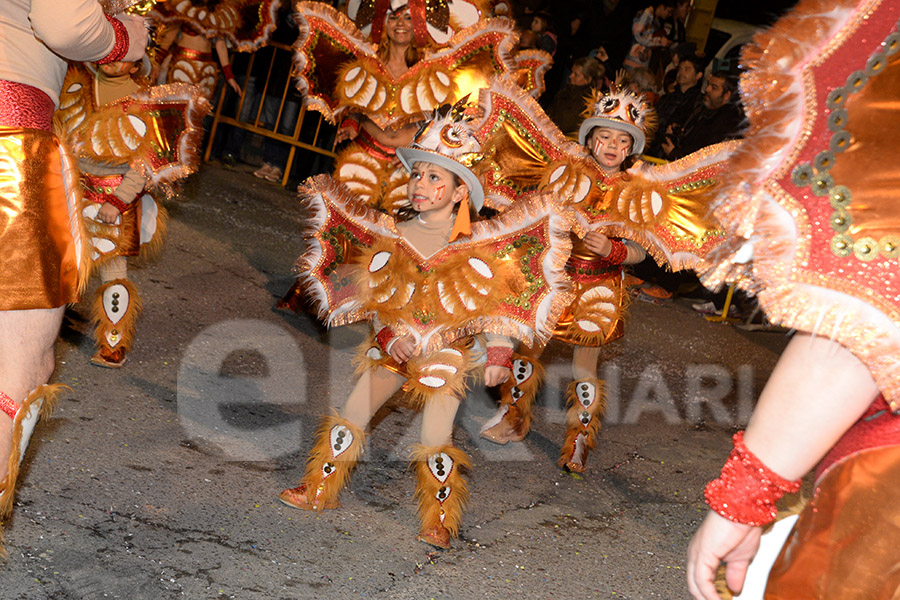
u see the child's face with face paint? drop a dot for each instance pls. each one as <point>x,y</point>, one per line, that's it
<point>433,191</point>
<point>609,147</point>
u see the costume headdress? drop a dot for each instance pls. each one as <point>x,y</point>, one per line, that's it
<point>622,110</point>
<point>448,140</point>
<point>431,18</point>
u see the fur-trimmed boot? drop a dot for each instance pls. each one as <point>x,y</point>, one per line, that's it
<point>586,399</point>
<point>39,403</point>
<point>513,419</point>
<point>441,492</point>
<point>336,452</point>
<point>114,312</point>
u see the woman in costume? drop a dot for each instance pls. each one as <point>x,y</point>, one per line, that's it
<point>132,141</point>
<point>429,283</point>
<point>622,206</point>
<point>190,30</point>
<point>381,71</point>
<point>813,232</point>
<point>41,243</point>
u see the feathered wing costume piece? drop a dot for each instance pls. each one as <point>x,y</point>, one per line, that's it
<point>339,71</point>
<point>810,203</point>
<point>246,24</point>
<point>506,278</point>
<point>663,208</point>
<point>156,131</point>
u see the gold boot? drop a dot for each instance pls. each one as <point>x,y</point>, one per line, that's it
<point>586,399</point>
<point>441,492</point>
<point>338,446</point>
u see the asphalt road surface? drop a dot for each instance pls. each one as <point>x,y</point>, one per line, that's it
<point>159,480</point>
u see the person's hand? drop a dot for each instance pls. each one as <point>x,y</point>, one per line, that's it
<point>720,540</point>
<point>668,146</point>
<point>496,375</point>
<point>235,86</point>
<point>598,243</point>
<point>345,133</point>
<point>108,213</point>
<point>137,36</point>
<point>403,349</point>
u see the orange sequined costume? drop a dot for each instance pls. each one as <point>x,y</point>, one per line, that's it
<point>810,212</point>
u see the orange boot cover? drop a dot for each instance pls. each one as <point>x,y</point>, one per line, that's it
<point>114,312</point>
<point>513,419</point>
<point>39,403</point>
<point>441,492</point>
<point>336,452</point>
<point>586,399</point>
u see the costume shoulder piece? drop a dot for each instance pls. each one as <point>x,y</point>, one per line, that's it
<point>156,131</point>
<point>810,204</point>
<point>663,208</point>
<point>506,278</point>
<point>338,70</point>
<point>247,24</point>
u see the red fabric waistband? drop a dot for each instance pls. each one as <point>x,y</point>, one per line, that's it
<point>373,147</point>
<point>24,106</point>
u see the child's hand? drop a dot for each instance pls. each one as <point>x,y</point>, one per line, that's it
<point>108,213</point>
<point>495,375</point>
<point>598,243</point>
<point>403,349</point>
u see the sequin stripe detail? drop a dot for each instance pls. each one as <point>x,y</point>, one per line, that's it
<point>192,54</point>
<point>373,147</point>
<point>384,337</point>
<point>120,49</point>
<point>101,190</point>
<point>578,267</point>
<point>499,356</point>
<point>746,490</point>
<point>24,106</point>
<point>8,405</point>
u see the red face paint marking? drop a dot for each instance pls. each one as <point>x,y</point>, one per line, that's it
<point>439,193</point>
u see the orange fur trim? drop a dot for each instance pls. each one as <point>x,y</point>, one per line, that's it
<point>440,373</point>
<point>48,394</point>
<point>370,356</point>
<point>323,489</point>
<point>126,326</point>
<point>575,426</point>
<point>525,389</point>
<point>387,288</point>
<point>428,486</point>
<point>150,250</point>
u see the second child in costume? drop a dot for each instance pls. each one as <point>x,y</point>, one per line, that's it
<point>131,140</point>
<point>618,215</point>
<point>429,283</point>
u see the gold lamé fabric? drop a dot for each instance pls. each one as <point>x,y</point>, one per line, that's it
<point>38,258</point>
<point>873,116</point>
<point>845,544</point>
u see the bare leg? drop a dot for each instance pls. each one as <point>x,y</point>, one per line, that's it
<point>374,388</point>
<point>584,362</point>
<point>27,338</point>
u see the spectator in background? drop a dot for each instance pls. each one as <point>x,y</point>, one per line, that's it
<point>648,33</point>
<point>716,119</point>
<point>542,26</point>
<point>569,102</point>
<point>642,82</point>
<point>674,108</point>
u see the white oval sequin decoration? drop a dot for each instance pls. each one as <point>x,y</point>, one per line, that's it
<point>378,261</point>
<point>481,267</point>
<point>341,439</point>
<point>440,466</point>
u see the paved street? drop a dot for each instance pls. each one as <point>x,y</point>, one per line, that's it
<point>158,480</point>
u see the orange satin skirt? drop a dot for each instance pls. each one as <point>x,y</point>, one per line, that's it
<point>846,543</point>
<point>39,225</point>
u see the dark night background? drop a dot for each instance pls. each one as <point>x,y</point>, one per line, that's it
<point>761,12</point>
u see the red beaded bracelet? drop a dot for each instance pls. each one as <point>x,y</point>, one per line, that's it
<point>121,47</point>
<point>384,338</point>
<point>746,490</point>
<point>229,74</point>
<point>351,123</point>
<point>499,356</point>
<point>617,253</point>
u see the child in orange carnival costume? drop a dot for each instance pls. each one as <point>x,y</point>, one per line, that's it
<point>429,281</point>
